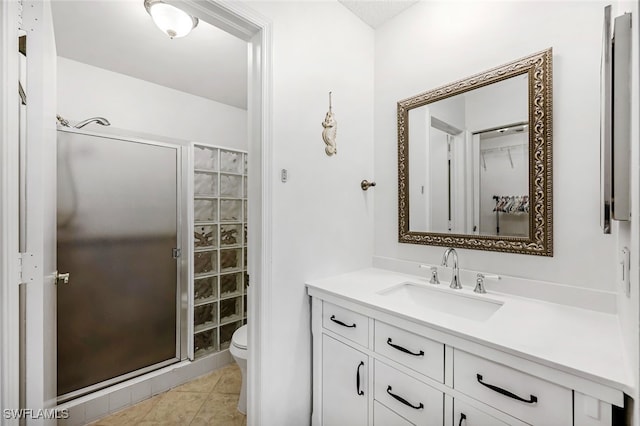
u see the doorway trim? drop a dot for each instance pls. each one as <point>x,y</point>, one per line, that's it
<point>9,181</point>
<point>243,22</point>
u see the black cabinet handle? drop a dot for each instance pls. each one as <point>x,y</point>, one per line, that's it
<point>401,349</point>
<point>462,417</point>
<point>358,379</point>
<point>532,398</point>
<point>404,401</point>
<point>333,318</point>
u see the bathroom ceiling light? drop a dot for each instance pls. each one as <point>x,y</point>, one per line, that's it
<point>172,21</point>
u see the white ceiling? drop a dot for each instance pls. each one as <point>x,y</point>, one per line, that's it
<point>377,12</point>
<point>118,35</point>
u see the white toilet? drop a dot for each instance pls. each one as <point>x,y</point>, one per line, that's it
<point>238,349</point>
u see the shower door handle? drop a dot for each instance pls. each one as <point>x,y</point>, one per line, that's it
<point>62,278</point>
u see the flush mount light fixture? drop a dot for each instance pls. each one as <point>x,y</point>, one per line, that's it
<point>172,21</point>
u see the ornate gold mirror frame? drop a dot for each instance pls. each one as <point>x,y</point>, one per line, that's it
<point>540,240</point>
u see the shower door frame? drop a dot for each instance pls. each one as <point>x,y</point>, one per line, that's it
<point>182,274</point>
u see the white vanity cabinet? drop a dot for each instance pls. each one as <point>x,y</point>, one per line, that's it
<point>345,389</point>
<point>373,368</point>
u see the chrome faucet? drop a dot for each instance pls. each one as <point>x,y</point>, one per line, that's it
<point>100,120</point>
<point>434,273</point>
<point>480,282</point>
<point>455,278</point>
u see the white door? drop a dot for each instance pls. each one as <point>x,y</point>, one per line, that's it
<point>344,384</point>
<point>439,191</point>
<point>39,257</point>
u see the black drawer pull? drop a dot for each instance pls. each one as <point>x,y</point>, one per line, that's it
<point>401,349</point>
<point>333,318</point>
<point>532,398</point>
<point>462,417</point>
<point>358,379</point>
<point>404,401</point>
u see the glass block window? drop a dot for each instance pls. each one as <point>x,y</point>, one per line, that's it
<point>219,245</point>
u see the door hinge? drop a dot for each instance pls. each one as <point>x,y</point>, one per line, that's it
<point>176,252</point>
<point>27,268</point>
<point>19,268</point>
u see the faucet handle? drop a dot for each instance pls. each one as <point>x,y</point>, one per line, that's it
<point>434,273</point>
<point>480,282</point>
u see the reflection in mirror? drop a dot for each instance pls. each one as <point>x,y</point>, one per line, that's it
<point>504,182</point>
<point>473,157</point>
<point>469,152</point>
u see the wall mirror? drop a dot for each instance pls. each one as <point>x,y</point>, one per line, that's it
<point>475,161</point>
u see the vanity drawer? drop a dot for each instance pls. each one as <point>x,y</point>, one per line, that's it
<point>346,323</point>
<point>415,401</point>
<point>518,394</point>
<point>382,416</point>
<point>465,414</point>
<point>416,352</point>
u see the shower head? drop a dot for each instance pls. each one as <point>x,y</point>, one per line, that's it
<point>99,120</point>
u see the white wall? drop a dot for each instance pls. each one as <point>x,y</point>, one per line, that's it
<point>435,43</point>
<point>450,110</point>
<point>322,220</point>
<point>498,104</point>
<point>139,106</point>
<point>438,188</point>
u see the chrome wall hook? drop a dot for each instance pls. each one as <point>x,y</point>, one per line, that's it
<point>365,184</point>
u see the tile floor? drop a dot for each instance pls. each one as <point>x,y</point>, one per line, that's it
<point>207,400</point>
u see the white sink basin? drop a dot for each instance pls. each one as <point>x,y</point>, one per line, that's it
<point>441,300</point>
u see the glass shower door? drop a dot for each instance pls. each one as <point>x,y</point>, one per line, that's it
<point>117,225</point>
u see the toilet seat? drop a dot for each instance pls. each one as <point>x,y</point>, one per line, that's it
<point>239,351</point>
<point>239,338</point>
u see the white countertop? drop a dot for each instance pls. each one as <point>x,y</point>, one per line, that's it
<point>579,341</point>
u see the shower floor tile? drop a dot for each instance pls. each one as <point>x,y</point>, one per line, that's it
<point>207,400</point>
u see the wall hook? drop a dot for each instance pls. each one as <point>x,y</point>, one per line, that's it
<point>365,184</point>
<point>329,132</point>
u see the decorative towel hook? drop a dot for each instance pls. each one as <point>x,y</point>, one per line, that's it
<point>329,132</point>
